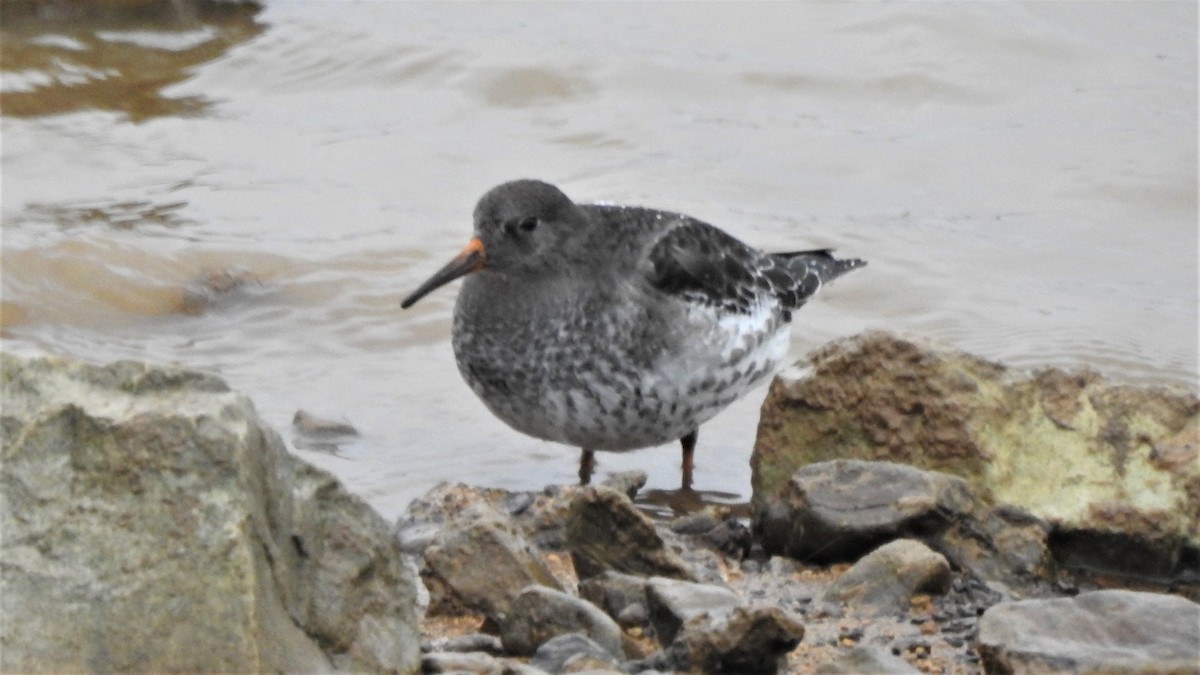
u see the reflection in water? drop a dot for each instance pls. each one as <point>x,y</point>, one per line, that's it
<point>60,56</point>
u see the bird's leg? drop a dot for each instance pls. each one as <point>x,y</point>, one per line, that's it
<point>587,464</point>
<point>689,446</point>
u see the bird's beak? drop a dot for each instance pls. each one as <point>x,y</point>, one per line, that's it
<point>470,259</point>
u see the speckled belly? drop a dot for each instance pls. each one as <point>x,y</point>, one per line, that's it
<point>567,386</point>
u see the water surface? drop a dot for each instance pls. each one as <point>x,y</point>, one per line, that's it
<point>253,193</point>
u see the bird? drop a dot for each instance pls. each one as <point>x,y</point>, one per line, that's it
<point>616,328</point>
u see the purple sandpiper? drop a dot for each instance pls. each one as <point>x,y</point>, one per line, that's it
<point>617,327</point>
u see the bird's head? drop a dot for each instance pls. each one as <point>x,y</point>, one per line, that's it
<point>521,227</point>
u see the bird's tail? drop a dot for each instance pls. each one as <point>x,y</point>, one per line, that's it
<point>819,261</point>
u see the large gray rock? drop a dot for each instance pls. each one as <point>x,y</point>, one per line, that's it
<point>1103,631</point>
<point>885,580</point>
<point>1111,468</point>
<point>152,522</point>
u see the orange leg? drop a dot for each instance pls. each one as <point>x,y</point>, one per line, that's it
<point>587,464</point>
<point>689,447</point>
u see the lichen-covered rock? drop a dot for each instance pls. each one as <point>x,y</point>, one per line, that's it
<point>1113,469</point>
<point>885,580</point>
<point>1097,632</point>
<point>605,531</point>
<point>152,522</point>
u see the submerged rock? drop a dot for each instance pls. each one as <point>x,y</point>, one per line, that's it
<point>1103,631</point>
<point>152,522</point>
<point>1112,469</point>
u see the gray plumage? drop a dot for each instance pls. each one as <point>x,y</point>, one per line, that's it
<point>616,328</point>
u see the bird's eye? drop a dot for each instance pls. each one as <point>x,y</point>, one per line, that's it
<point>528,224</point>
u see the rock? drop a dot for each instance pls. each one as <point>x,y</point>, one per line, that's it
<point>614,592</point>
<point>306,423</point>
<point>1004,544</point>
<point>471,642</point>
<point>320,434</point>
<point>626,482</point>
<point>698,522</point>
<point>633,615</point>
<point>672,602</point>
<point>837,511</point>
<point>862,659</point>
<point>570,653</point>
<point>746,640</point>
<point>215,287</point>
<point>538,518</point>
<point>605,532</point>
<point>540,613</point>
<point>480,563</point>
<point>885,580</point>
<point>1102,631</point>
<point>732,538</point>
<point>1111,468</point>
<point>152,522</point>
<point>477,663</point>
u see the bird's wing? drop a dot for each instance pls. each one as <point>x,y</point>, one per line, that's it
<point>701,263</point>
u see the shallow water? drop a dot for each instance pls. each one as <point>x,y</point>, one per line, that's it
<point>254,193</point>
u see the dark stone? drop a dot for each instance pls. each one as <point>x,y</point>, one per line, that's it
<point>837,511</point>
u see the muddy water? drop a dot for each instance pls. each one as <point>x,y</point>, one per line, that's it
<point>253,193</point>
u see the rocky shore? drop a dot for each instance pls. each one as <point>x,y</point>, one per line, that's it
<point>915,509</point>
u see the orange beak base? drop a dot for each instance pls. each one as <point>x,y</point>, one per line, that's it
<point>471,259</point>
